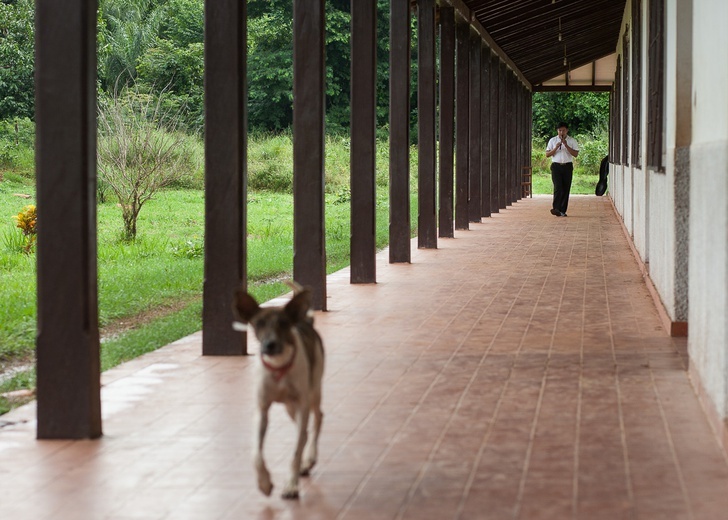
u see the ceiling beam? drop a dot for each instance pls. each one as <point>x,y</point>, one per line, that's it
<point>465,12</point>
<point>572,88</point>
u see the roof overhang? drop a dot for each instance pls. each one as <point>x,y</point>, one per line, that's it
<point>595,76</point>
<point>551,44</point>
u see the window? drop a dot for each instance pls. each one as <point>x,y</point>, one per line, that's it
<point>656,87</point>
<point>625,98</point>
<point>617,112</point>
<point>636,83</point>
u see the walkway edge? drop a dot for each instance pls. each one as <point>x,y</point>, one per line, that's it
<point>676,329</point>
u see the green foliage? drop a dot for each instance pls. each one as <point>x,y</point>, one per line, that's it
<point>17,58</point>
<point>189,249</point>
<point>17,142</point>
<point>583,112</point>
<point>338,66</point>
<point>140,152</point>
<point>183,23</point>
<point>178,72</point>
<point>126,29</point>
<point>592,149</point>
<point>13,240</point>
<point>270,64</point>
<point>176,69</point>
<point>157,45</point>
<point>270,163</point>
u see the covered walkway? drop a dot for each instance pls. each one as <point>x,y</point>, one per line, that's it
<point>521,370</point>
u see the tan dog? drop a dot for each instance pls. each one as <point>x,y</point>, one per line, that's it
<point>291,369</point>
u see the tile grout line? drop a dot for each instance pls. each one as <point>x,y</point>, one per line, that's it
<point>673,451</point>
<point>438,442</point>
<point>618,388</point>
<point>486,435</point>
<point>579,399</point>
<point>577,426</point>
<point>542,390</point>
<point>445,429</point>
<point>376,406</point>
<point>347,506</point>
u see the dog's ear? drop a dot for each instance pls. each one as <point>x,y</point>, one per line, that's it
<point>245,306</point>
<point>297,309</point>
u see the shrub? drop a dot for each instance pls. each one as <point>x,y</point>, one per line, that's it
<point>270,163</point>
<point>17,141</point>
<point>140,151</point>
<point>26,221</point>
<point>592,150</point>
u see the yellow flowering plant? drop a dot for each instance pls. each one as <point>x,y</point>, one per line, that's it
<point>26,221</point>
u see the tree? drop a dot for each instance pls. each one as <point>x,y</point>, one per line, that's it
<point>270,64</point>
<point>16,59</point>
<point>183,22</point>
<point>584,112</point>
<point>126,29</point>
<point>140,151</point>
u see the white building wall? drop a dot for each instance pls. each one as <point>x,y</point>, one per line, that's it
<point>615,191</point>
<point>661,235</point>
<point>669,191</point>
<point>627,202</point>
<point>640,205</point>
<point>655,205</point>
<point>708,249</point>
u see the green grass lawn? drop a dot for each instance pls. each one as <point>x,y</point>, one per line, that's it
<point>155,282</point>
<point>581,184</point>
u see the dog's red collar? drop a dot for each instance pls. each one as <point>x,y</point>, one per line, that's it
<point>281,371</point>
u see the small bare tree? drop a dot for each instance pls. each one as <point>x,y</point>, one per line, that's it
<point>140,151</point>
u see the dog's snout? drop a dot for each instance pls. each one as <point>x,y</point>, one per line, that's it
<point>270,347</point>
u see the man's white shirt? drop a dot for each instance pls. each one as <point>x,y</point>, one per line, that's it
<point>562,155</point>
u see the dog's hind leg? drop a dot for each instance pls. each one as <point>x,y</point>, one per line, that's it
<point>311,457</point>
<point>261,425</point>
<point>291,490</point>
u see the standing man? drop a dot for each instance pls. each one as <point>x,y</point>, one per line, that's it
<point>562,149</point>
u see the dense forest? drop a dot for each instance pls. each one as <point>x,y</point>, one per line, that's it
<point>157,46</point>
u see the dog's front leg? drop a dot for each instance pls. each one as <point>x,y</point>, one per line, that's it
<point>261,425</point>
<point>291,490</point>
<point>312,449</point>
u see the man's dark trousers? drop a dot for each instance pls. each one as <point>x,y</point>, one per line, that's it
<point>561,174</point>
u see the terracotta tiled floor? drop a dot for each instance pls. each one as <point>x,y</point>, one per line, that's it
<point>519,371</point>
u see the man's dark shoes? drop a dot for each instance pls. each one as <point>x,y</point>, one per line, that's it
<point>556,212</point>
<point>562,214</point>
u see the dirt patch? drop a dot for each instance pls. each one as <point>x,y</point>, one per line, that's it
<point>9,368</point>
<point>124,325</point>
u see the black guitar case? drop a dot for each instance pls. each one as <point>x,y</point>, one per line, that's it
<point>603,172</point>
